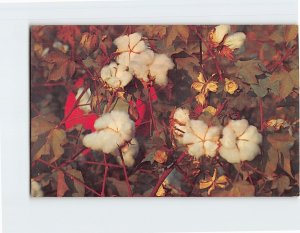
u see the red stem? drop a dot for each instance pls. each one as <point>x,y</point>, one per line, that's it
<point>261,115</point>
<point>166,173</point>
<point>70,176</point>
<point>151,109</point>
<point>105,176</point>
<point>125,174</point>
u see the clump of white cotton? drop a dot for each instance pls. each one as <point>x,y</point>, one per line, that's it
<point>201,139</point>
<point>181,120</point>
<point>113,130</point>
<point>129,46</point>
<point>221,33</point>
<point>158,70</point>
<point>195,134</point>
<point>240,141</point>
<point>141,61</point>
<point>116,76</point>
<point>85,100</point>
<point>129,152</point>
<point>36,189</point>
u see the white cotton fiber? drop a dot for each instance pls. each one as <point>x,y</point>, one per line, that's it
<point>199,128</point>
<point>196,149</point>
<point>219,32</point>
<point>235,40</point>
<point>36,189</point>
<point>113,130</point>
<point>85,100</point>
<point>159,68</point>
<point>182,115</point>
<point>240,141</point>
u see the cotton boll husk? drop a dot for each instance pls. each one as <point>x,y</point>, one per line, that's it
<point>231,155</point>
<point>36,189</point>
<point>122,42</point>
<point>251,134</point>
<point>248,150</point>
<point>213,133</point>
<point>229,138</point>
<point>196,150</point>
<point>219,33</point>
<point>199,128</point>
<point>85,100</point>
<point>235,41</point>
<point>182,115</point>
<point>210,148</point>
<point>238,126</point>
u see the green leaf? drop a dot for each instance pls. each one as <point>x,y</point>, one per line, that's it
<point>247,70</point>
<point>287,81</point>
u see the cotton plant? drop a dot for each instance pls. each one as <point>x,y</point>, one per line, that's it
<point>180,121</point>
<point>114,132</point>
<point>36,189</point>
<point>240,141</point>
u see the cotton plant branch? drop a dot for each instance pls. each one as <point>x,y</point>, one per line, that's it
<point>166,173</point>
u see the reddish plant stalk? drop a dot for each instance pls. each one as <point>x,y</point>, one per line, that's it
<point>166,173</point>
<point>151,109</point>
<point>102,164</point>
<point>70,176</point>
<point>105,175</point>
<point>125,174</point>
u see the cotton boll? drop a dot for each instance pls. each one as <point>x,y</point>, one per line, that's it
<point>116,76</point>
<point>123,58</point>
<point>229,138</point>
<point>248,150</point>
<point>140,70</point>
<point>251,134</point>
<point>238,126</point>
<point>190,138</point>
<point>122,42</point>
<point>159,68</point>
<point>235,41</point>
<point>219,32</point>
<point>182,115</point>
<point>145,57</point>
<point>135,42</point>
<point>231,155</point>
<point>36,189</point>
<point>196,149</point>
<point>129,153</point>
<point>213,133</point>
<point>210,148</point>
<point>199,128</point>
<point>85,100</point>
<point>113,130</point>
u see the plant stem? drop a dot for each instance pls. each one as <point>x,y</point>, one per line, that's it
<point>151,109</point>
<point>125,174</point>
<point>70,176</point>
<point>166,173</point>
<point>105,175</point>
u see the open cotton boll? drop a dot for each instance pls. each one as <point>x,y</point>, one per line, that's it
<point>139,65</point>
<point>218,33</point>
<point>36,189</point>
<point>129,152</point>
<point>235,41</point>
<point>129,46</point>
<point>159,69</point>
<point>201,139</point>
<point>240,141</point>
<point>112,131</point>
<point>85,100</point>
<point>182,115</point>
<point>116,76</point>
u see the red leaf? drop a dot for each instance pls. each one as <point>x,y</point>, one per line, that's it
<point>78,117</point>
